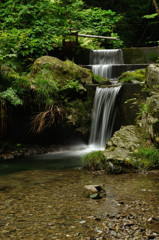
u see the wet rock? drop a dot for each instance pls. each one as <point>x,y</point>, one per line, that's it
<point>152,76</point>
<point>82,222</point>
<point>153,219</point>
<point>150,119</point>
<point>94,191</point>
<point>120,147</point>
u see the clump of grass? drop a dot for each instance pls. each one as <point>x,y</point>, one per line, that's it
<point>100,80</point>
<point>128,77</point>
<point>94,160</point>
<point>147,158</point>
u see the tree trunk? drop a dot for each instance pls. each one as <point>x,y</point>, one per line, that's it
<point>156,6</point>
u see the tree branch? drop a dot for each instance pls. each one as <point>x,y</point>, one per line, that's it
<point>156,7</point>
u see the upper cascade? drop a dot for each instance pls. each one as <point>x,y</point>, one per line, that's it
<point>106,56</point>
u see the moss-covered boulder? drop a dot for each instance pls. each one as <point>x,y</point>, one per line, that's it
<point>152,77</point>
<point>62,71</point>
<point>123,144</point>
<point>136,76</point>
<point>63,84</point>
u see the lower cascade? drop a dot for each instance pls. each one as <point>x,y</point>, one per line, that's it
<point>103,116</point>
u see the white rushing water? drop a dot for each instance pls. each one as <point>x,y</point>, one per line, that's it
<point>106,56</point>
<point>102,70</point>
<point>103,116</point>
<point>102,61</point>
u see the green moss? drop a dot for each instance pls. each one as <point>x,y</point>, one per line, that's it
<point>128,77</point>
<point>100,80</point>
<point>11,79</point>
<point>58,80</point>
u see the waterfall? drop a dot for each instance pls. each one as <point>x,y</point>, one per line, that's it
<point>103,116</point>
<point>102,61</point>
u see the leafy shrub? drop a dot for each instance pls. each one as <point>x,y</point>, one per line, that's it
<point>94,160</point>
<point>11,96</point>
<point>128,77</point>
<point>46,89</point>
<point>30,29</point>
<point>72,84</point>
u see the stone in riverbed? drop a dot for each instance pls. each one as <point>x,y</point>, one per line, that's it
<point>94,191</point>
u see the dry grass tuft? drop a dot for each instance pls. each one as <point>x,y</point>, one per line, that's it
<point>46,119</point>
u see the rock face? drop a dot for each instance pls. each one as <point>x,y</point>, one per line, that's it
<point>123,143</point>
<point>150,114</point>
<point>126,112</point>
<point>152,77</point>
<point>150,119</point>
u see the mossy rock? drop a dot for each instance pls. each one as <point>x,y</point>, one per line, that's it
<point>123,143</point>
<point>136,76</point>
<point>62,71</point>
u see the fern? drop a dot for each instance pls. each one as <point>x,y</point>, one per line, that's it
<point>11,96</point>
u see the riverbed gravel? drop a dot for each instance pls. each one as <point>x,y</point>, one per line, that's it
<point>47,205</point>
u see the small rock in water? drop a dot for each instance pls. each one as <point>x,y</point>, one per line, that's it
<point>82,222</point>
<point>94,191</point>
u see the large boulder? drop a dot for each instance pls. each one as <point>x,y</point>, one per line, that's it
<point>152,77</point>
<point>123,144</point>
<point>62,71</point>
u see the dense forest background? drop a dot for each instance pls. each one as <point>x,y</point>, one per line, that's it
<point>30,28</point>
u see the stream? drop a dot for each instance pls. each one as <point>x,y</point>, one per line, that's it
<point>41,198</point>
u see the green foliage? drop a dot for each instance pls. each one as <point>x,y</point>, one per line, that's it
<point>94,160</point>
<point>96,21</point>
<point>29,28</point>
<point>133,29</point>
<point>150,16</point>
<point>46,88</point>
<point>10,78</point>
<point>128,77</point>
<point>33,28</point>
<point>72,84</point>
<point>77,112</point>
<point>147,158</point>
<point>11,96</point>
